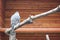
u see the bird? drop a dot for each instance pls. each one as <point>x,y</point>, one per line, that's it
<point>15,18</point>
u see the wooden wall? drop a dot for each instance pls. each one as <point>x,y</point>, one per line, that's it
<point>30,7</point>
<point>1,16</point>
<point>33,7</point>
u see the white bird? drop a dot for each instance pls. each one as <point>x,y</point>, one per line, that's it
<point>15,18</point>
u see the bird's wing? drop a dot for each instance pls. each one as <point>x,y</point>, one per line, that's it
<point>15,18</point>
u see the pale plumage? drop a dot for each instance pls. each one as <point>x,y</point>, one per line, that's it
<point>15,18</point>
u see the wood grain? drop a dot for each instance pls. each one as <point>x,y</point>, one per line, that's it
<point>31,7</point>
<point>34,30</point>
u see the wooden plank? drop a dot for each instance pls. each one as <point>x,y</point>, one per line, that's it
<point>34,30</point>
<point>28,2</point>
<point>31,5</point>
<point>8,14</point>
<point>1,17</point>
<point>39,25</point>
<point>1,13</point>
<point>35,36</point>
<point>34,0</point>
